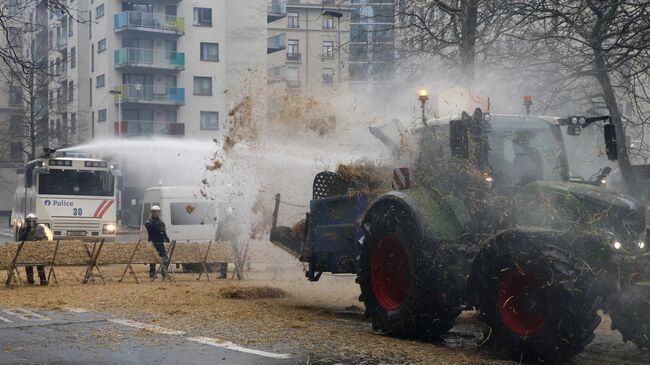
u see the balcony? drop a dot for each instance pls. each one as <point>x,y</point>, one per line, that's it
<point>61,43</point>
<point>142,58</point>
<point>276,43</point>
<point>149,94</point>
<point>276,74</point>
<point>293,57</point>
<point>293,84</point>
<point>149,22</point>
<point>275,10</point>
<point>147,128</point>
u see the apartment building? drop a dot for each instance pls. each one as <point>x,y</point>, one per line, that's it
<point>152,67</point>
<point>307,43</point>
<point>23,96</point>
<point>147,68</point>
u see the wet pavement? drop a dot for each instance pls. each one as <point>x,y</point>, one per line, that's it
<point>73,337</point>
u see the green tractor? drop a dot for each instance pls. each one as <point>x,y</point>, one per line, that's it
<point>487,218</point>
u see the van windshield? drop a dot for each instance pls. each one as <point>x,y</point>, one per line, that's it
<point>193,213</point>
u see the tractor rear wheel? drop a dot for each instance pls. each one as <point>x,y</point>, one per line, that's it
<point>536,298</point>
<point>394,265</point>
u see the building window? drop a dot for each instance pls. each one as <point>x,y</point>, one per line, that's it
<point>101,79</point>
<point>328,76</point>
<point>58,66</point>
<point>99,11</point>
<point>292,20</point>
<point>71,91</point>
<point>16,151</point>
<point>202,85</point>
<point>293,76</point>
<point>328,48</point>
<point>210,52</point>
<point>70,26</point>
<point>210,121</point>
<point>15,125</point>
<point>101,115</point>
<point>293,47</point>
<point>15,95</point>
<point>203,17</point>
<point>73,123</point>
<point>101,45</point>
<point>73,57</point>
<point>328,22</point>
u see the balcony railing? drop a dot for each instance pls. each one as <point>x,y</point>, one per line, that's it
<point>149,94</point>
<point>144,128</point>
<point>276,9</point>
<point>149,58</point>
<point>293,83</point>
<point>293,56</point>
<point>276,43</point>
<point>61,43</point>
<point>150,22</point>
<point>276,74</point>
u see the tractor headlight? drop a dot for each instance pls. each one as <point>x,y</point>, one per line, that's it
<point>640,245</point>
<point>108,228</point>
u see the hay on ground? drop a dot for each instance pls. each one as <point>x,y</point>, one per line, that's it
<point>252,292</point>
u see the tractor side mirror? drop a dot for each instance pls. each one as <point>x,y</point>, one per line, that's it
<point>459,138</point>
<point>610,142</point>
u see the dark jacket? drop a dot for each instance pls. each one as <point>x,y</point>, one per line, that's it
<point>156,230</point>
<point>36,233</point>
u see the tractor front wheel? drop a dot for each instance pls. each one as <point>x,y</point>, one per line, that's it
<point>536,298</point>
<point>393,268</point>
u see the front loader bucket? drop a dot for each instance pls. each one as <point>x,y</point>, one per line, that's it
<point>631,314</point>
<point>285,237</point>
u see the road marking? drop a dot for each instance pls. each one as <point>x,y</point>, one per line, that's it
<point>147,327</point>
<point>76,310</point>
<point>26,315</point>
<point>231,346</point>
<point>5,320</point>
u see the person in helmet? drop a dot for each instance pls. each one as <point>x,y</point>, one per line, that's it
<point>157,233</point>
<point>32,231</point>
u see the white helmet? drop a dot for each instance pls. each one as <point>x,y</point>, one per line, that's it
<point>155,208</point>
<point>31,216</point>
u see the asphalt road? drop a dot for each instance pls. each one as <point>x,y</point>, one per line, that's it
<point>67,337</point>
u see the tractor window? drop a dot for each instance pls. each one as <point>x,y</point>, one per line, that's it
<point>524,150</point>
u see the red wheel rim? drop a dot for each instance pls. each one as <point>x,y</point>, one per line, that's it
<point>522,302</point>
<point>389,273</point>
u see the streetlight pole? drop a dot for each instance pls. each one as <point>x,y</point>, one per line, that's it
<point>423,96</point>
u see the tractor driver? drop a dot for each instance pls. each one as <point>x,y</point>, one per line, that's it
<point>528,162</point>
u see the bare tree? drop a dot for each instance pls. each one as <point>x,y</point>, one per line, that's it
<point>18,17</point>
<point>602,43</point>
<point>458,32</point>
<point>36,84</point>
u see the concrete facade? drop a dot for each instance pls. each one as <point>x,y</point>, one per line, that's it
<point>307,49</point>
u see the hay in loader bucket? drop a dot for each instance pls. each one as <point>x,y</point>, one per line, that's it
<point>366,177</point>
